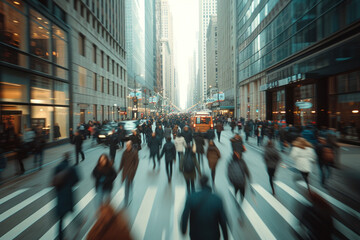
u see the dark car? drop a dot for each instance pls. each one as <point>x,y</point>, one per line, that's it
<point>105,132</point>
<point>129,126</point>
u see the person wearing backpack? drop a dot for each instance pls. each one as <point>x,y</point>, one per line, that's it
<point>238,174</point>
<point>188,166</point>
<point>325,159</point>
<point>64,178</point>
<point>206,212</point>
<point>170,156</point>
<point>272,158</point>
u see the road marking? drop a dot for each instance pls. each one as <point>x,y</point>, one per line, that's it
<point>260,227</point>
<point>333,200</point>
<point>338,225</point>
<point>12,195</point>
<point>23,204</point>
<point>142,218</point>
<point>52,233</point>
<point>116,201</point>
<point>179,203</point>
<point>279,208</point>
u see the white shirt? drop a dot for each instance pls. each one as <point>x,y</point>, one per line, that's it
<point>303,158</point>
<point>180,144</point>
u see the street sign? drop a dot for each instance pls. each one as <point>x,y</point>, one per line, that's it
<point>304,105</point>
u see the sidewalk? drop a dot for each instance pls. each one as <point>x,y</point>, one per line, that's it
<point>51,155</point>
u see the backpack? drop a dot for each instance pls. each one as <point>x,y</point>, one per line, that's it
<point>189,165</point>
<point>328,155</point>
<point>236,174</point>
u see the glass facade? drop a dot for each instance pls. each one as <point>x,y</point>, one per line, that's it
<point>39,95</point>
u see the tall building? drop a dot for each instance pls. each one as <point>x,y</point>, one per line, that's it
<point>207,8</point>
<point>212,55</point>
<point>62,63</point>
<point>165,52</point>
<point>226,55</point>
<point>298,62</point>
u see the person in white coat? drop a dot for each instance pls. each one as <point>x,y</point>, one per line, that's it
<point>180,145</point>
<point>304,156</point>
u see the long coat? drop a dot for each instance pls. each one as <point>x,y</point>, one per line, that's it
<point>64,194</point>
<point>129,164</point>
<point>271,157</point>
<point>104,177</point>
<point>153,144</point>
<point>199,141</point>
<point>169,151</point>
<point>206,213</point>
<point>213,155</point>
<point>191,175</point>
<point>167,132</point>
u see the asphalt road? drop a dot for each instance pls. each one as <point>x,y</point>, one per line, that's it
<point>27,205</point>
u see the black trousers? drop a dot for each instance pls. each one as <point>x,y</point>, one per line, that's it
<point>169,168</point>
<point>218,135</point>
<point>242,192</point>
<point>77,151</point>
<point>190,185</point>
<point>271,172</point>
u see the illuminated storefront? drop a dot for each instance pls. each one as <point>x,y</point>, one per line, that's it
<point>34,74</point>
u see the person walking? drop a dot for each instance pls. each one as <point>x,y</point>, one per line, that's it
<point>237,144</point>
<point>64,179</point>
<point>39,144</point>
<point>113,145</point>
<point>175,131</point>
<point>160,135</point>
<point>167,132</point>
<point>104,174</point>
<point>232,125</point>
<point>325,159</point>
<point>238,174</point>
<point>121,135</point>
<point>128,165</point>
<point>180,145</point>
<point>199,146</point>
<point>259,134</point>
<point>272,158</point>
<point>219,128</point>
<point>303,155</point>
<point>170,156</point>
<point>206,212</point>
<point>187,134</point>
<point>213,155</point>
<point>78,141</point>
<point>188,166</point>
<point>154,146</point>
<point>135,139</point>
<point>247,130</point>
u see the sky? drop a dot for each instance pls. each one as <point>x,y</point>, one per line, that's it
<point>185,27</point>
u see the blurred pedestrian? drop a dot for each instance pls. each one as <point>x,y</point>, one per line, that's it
<point>64,178</point>
<point>175,131</point>
<point>331,139</point>
<point>121,135</point>
<point>104,174</point>
<point>259,135</point>
<point>170,156</point>
<point>39,144</point>
<point>237,144</point>
<point>78,141</point>
<point>272,158</point>
<point>135,139</point>
<point>187,134</point>
<point>247,131</point>
<point>110,225</point>
<point>21,153</point>
<point>219,128</point>
<point>167,132</point>
<point>325,159</point>
<point>303,155</point>
<point>3,162</point>
<point>188,166</point>
<point>57,133</point>
<point>213,155</point>
<point>238,174</point>
<point>129,164</point>
<point>113,145</point>
<point>199,146</point>
<point>180,145</point>
<point>154,146</point>
<point>232,125</point>
<point>206,212</point>
<point>160,135</point>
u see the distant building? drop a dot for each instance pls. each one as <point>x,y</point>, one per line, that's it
<point>62,63</point>
<point>207,8</point>
<point>212,54</point>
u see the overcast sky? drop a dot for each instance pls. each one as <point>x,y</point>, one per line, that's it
<point>185,27</point>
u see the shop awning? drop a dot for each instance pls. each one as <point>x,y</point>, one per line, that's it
<point>226,107</point>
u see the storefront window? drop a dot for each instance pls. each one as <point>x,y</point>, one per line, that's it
<point>61,125</point>
<point>59,47</point>
<point>14,118</point>
<point>61,93</point>
<point>278,105</point>
<point>41,116</point>
<point>13,33</point>
<point>14,87</point>
<point>41,90</point>
<point>305,105</point>
<point>39,36</point>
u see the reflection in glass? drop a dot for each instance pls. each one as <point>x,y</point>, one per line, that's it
<point>61,123</point>
<point>41,90</point>
<point>59,47</point>
<point>61,93</point>
<point>43,115</point>
<point>39,41</point>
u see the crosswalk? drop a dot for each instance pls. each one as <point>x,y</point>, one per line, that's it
<point>15,223</point>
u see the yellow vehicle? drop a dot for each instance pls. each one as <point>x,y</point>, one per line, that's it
<point>202,122</point>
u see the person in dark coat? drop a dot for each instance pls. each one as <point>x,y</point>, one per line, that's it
<point>199,143</point>
<point>148,132</point>
<point>190,176</point>
<point>170,156</point>
<point>324,167</point>
<point>237,144</point>
<point>238,168</point>
<point>113,144</point>
<point>167,132</point>
<point>232,125</point>
<point>213,155</point>
<point>64,192</point>
<point>219,128</point>
<point>121,135</point>
<point>57,133</point>
<point>129,164</point>
<point>78,141</point>
<point>160,135</point>
<point>104,174</point>
<point>247,131</point>
<point>135,139</point>
<point>187,134</point>
<point>39,144</point>
<point>272,158</point>
<point>154,146</point>
<point>206,212</point>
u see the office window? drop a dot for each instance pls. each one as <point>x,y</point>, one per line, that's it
<point>121,72</point>
<point>113,88</point>
<point>108,86</point>
<point>82,77</point>
<point>117,89</point>
<point>76,5</point>
<point>117,70</point>
<point>82,9</point>
<point>81,44</point>
<point>108,63</point>
<point>94,53</point>
<point>121,88</point>
<point>95,81</point>
<point>102,59</point>
<point>113,67</point>
<point>102,84</point>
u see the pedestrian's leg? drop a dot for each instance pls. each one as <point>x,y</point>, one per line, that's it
<point>271,175</point>
<point>41,159</point>
<point>77,156</point>
<point>171,168</point>
<point>153,157</point>
<point>306,178</point>
<point>61,237</point>
<point>167,170</point>
<point>35,159</point>
<point>82,155</point>
<point>242,193</point>
<point>188,186</point>
<point>127,188</point>
<point>192,185</point>
<point>213,175</point>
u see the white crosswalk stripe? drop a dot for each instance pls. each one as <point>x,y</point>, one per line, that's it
<point>12,195</point>
<point>179,202</point>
